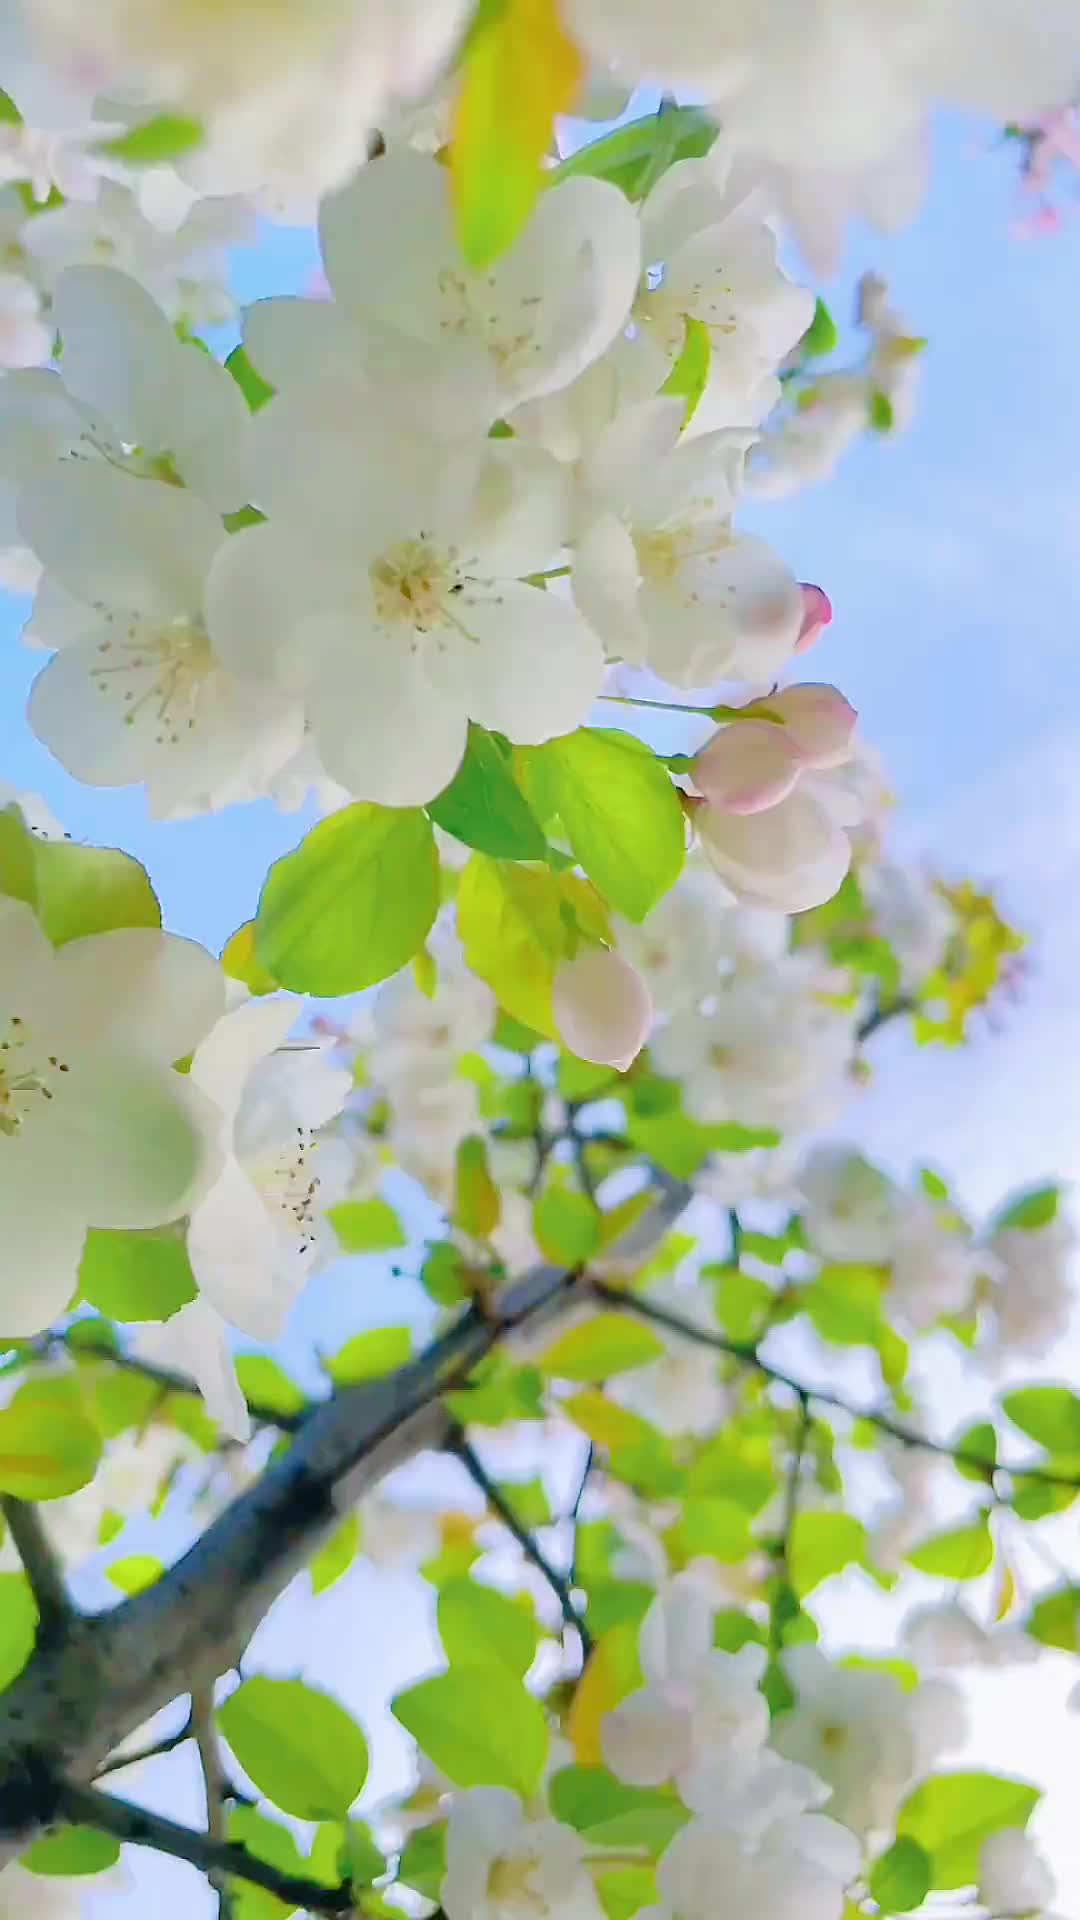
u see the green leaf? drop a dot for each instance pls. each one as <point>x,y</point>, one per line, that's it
<point>239,962</point>
<point>1032,1210</point>
<point>9,112</point>
<point>625,1890</point>
<point>1051,1415</point>
<point>901,1879</point>
<point>353,903</point>
<point>952,1814</point>
<point>690,375</point>
<point>608,1814</point>
<point>628,157</point>
<point>364,1860</point>
<point>882,417</point>
<point>477,1205</point>
<point>821,336</point>
<point>255,389</point>
<point>959,1553</point>
<point>18,1625</point>
<point>166,137</point>
<point>131,1274</point>
<point>567,1226</point>
<point>74,890</point>
<point>844,1304</point>
<point>443,1274</point>
<point>423,1860</point>
<point>510,922</point>
<point>621,815</point>
<point>72,1851</point>
<point>981,1442</point>
<point>611,1343</point>
<point>335,1559</point>
<point>301,1749</point>
<point>479,1725</point>
<point>367,1356</point>
<point>47,1449</point>
<point>135,1572</point>
<point>1055,1619</point>
<point>366,1226</point>
<point>741,1301</point>
<point>518,70</point>
<point>711,1526</point>
<point>823,1543</point>
<point>478,1623</point>
<point>485,807</point>
<point>267,1384</point>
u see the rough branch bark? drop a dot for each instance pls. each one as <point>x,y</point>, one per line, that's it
<point>101,1678</point>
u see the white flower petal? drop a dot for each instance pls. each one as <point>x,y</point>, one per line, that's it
<point>233,1246</point>
<point>131,1143</point>
<point>196,1341</point>
<point>123,543</point>
<point>43,1245</point>
<point>235,1046</point>
<point>383,730</point>
<point>791,856</point>
<point>120,353</point>
<point>645,1740</point>
<point>153,993</point>
<point>524,663</point>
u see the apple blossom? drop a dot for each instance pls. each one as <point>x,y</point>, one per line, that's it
<point>256,1234</point>
<point>700,1712</point>
<point>526,325</point>
<point>949,1635</point>
<point>394,601</point>
<point>1013,1876</point>
<point>851,1210</point>
<point>195,1341</point>
<point>136,691</point>
<point>1029,1287</point>
<point>95,1127</point>
<point>863,1734</point>
<point>935,1267</point>
<point>798,1870</point>
<point>657,568</point>
<point>503,1865</point>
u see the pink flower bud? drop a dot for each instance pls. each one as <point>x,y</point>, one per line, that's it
<point>819,721</point>
<point>817,614</point>
<point>602,1007</point>
<point>748,766</point>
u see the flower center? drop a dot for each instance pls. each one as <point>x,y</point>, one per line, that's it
<point>290,1188</point>
<point>412,583</point>
<point>661,551</point>
<point>834,1737</point>
<point>158,674</point>
<point>28,1075</point>
<point>510,1885</point>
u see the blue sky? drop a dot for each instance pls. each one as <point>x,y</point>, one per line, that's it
<point>950,557</point>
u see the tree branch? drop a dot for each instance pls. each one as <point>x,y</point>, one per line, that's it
<point>78,1699</point>
<point>661,1316</point>
<point>40,1564</point>
<point>782,1555</point>
<point>218,1859</point>
<point>459,1445</point>
<point>880,1015</point>
<point>155,1751</point>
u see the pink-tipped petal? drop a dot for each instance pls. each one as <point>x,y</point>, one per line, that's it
<point>817,614</point>
<point>820,720</point>
<point>602,1007</point>
<point>748,766</point>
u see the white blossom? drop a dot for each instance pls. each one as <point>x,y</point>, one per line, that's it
<point>948,1635</point>
<point>501,1864</point>
<point>935,1267</point>
<point>96,1129</point>
<point>851,1209</point>
<point>680,1391</point>
<point>657,567</point>
<point>700,1711</point>
<point>526,325</point>
<point>1013,1876</point>
<point>196,1341</point>
<point>255,1236</point>
<point>394,603</point>
<point>136,691</point>
<point>1030,1288</point>
<point>863,1734</point>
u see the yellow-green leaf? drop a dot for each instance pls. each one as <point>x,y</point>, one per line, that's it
<point>690,374</point>
<point>611,1343</point>
<point>510,922</point>
<point>47,1449</point>
<point>240,962</point>
<point>519,69</point>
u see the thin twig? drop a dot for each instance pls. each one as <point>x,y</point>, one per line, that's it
<point>735,1231</point>
<point>215,1783</point>
<point>883,1013</point>
<point>40,1564</point>
<point>85,1807</point>
<point>499,1504</point>
<point>704,1337</point>
<point>167,1378</point>
<point>117,1762</point>
<point>782,1553</point>
<point>587,1467</point>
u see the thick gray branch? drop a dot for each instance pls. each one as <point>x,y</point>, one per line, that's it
<point>104,1677</point>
